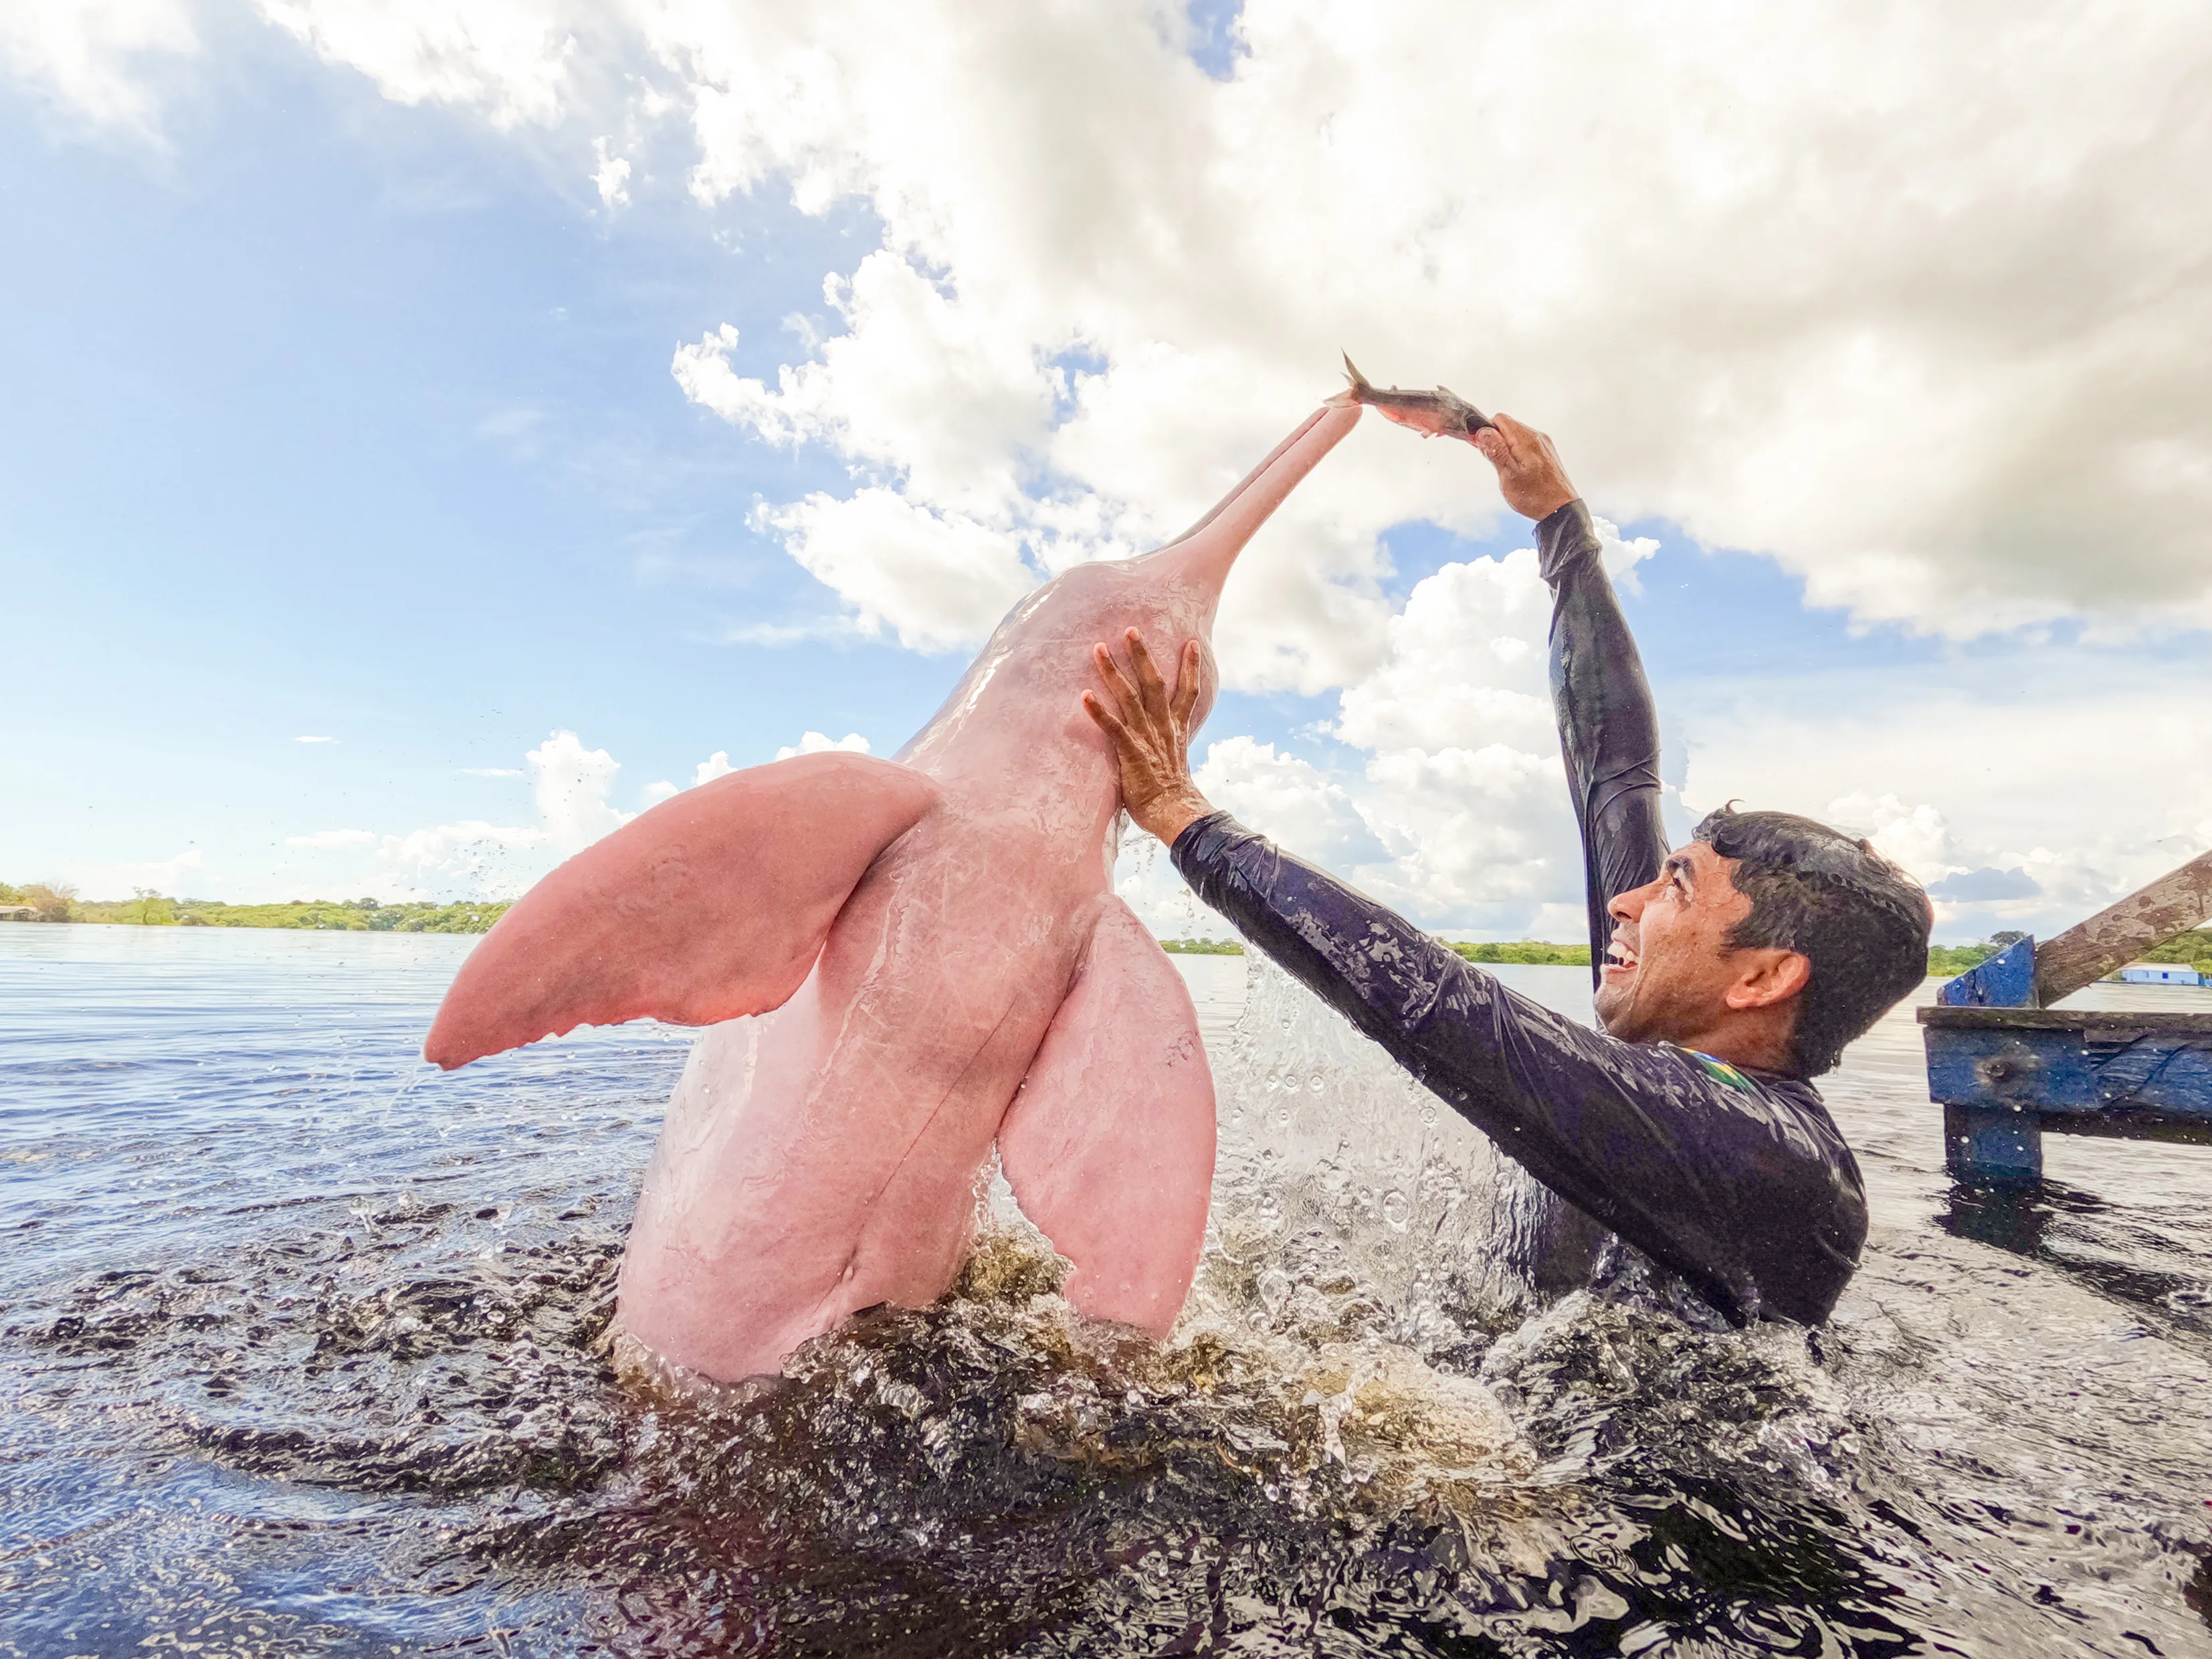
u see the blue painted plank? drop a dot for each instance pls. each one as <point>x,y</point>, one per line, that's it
<point>1992,1145</point>
<point>2062,1072</point>
<point>2007,980</point>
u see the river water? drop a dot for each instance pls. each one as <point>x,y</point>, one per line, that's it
<point>302,1352</point>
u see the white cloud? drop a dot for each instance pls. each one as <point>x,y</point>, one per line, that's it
<point>314,739</point>
<point>1287,797</point>
<point>717,765</point>
<point>1828,282</point>
<point>610,177</point>
<point>474,859</point>
<point>167,875</point>
<point>1465,662</point>
<point>1917,838</point>
<point>1908,297</point>
<point>781,633</point>
<point>326,838</point>
<point>172,876</point>
<point>1462,789</point>
<point>572,787</point>
<point>1455,809</point>
<point>509,57</point>
<point>937,580</point>
<point>96,58</point>
<point>811,743</point>
<point>2027,805</point>
<point>1845,284</point>
<point>491,771</point>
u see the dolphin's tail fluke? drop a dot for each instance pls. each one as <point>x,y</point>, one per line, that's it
<point>711,905</point>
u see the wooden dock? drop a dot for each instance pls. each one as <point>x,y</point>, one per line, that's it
<point>2008,1067</point>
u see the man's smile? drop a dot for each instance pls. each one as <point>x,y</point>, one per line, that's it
<point>1621,966</point>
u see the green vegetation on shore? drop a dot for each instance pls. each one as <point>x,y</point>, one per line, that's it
<point>1532,951</point>
<point>151,909</point>
<point>2194,947</point>
<point>1944,961</point>
<point>47,903</point>
<point>1952,960</point>
<point>57,901</point>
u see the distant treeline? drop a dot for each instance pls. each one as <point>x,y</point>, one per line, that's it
<point>1527,950</point>
<point>1951,960</point>
<point>2194,947</point>
<point>1566,956</point>
<point>1943,960</point>
<point>46,903</point>
<point>57,902</point>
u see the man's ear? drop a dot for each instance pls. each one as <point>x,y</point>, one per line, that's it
<point>1767,977</point>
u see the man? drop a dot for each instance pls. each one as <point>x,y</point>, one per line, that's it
<point>1739,966</point>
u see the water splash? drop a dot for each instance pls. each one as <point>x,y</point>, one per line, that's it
<point>291,1364</point>
<point>1350,1203</point>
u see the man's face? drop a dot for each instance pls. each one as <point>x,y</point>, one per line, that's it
<point>1670,967</point>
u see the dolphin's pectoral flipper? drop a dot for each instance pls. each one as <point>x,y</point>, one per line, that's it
<point>1109,1144</point>
<point>711,905</point>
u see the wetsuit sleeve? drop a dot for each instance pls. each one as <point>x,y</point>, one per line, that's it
<point>1609,728</point>
<point>1739,1183</point>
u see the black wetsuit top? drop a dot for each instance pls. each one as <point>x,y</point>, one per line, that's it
<point>1735,1179</point>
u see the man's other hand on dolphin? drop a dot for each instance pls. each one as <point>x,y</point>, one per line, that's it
<point>1728,972</point>
<point>1151,734</point>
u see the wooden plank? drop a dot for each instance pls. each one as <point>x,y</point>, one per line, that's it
<point>2096,1022</point>
<point>2007,980</point>
<point>2116,935</point>
<point>2161,1075</point>
<point>1981,1144</point>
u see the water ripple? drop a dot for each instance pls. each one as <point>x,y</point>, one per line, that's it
<point>304,1351</point>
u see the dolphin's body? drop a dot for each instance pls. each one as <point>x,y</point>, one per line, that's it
<point>902,961</point>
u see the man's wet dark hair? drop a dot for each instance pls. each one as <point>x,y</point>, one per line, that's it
<point>1860,920</point>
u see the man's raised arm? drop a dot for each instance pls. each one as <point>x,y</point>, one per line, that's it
<point>1609,728</point>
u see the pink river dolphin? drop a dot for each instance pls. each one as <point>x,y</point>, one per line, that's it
<point>902,962</point>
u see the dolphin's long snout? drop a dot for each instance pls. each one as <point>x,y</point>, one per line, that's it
<point>1209,547</point>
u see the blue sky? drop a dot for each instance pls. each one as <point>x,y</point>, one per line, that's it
<point>340,421</point>
<point>342,409</point>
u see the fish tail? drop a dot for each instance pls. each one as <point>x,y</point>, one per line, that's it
<point>1358,390</point>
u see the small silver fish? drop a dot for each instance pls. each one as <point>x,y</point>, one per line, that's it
<point>1440,412</point>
